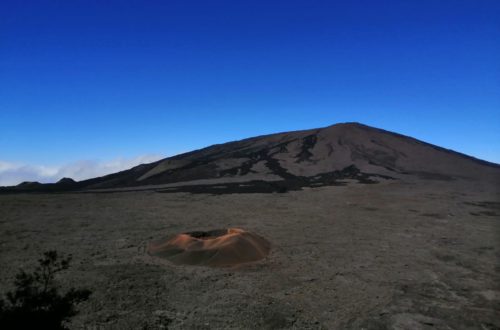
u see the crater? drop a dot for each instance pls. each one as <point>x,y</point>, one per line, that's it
<point>216,248</point>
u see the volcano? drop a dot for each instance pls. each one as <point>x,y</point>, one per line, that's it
<point>291,161</point>
<point>223,247</point>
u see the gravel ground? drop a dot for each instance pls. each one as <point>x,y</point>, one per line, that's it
<point>401,255</point>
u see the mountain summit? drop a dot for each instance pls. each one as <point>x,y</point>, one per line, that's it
<point>293,160</point>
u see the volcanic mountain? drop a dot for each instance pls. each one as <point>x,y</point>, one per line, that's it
<point>293,160</point>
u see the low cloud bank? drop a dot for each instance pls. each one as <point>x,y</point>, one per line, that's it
<point>15,173</point>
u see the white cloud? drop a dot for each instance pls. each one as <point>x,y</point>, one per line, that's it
<point>15,173</point>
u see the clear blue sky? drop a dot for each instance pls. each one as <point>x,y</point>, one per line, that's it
<point>105,79</point>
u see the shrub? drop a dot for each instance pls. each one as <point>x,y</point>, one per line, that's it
<point>36,302</point>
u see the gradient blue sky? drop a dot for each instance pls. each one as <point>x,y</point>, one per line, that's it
<point>106,79</point>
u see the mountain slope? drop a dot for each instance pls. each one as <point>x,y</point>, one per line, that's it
<point>293,160</point>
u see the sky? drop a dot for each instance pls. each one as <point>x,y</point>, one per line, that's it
<point>92,87</point>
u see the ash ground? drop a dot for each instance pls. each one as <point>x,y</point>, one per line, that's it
<point>404,255</point>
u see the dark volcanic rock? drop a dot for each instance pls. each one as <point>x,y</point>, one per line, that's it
<point>307,144</point>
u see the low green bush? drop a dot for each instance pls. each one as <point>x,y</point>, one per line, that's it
<point>36,302</point>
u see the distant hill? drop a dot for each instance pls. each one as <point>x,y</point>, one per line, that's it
<point>290,161</point>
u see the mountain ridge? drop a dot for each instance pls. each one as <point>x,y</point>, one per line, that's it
<point>296,159</point>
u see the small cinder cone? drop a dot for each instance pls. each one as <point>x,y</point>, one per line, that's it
<point>226,247</point>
